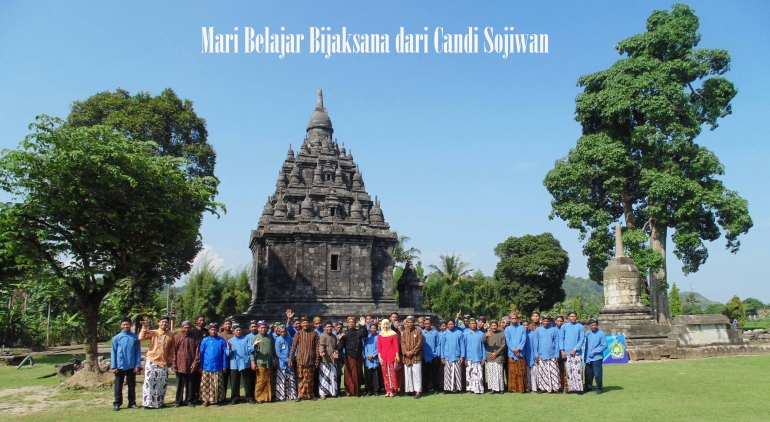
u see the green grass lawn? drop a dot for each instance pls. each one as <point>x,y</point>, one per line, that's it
<point>724,389</point>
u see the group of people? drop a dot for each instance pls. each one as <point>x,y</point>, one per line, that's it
<point>299,361</point>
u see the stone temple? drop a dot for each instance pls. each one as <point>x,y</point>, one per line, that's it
<point>323,246</point>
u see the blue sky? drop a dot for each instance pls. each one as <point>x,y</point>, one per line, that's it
<point>455,146</point>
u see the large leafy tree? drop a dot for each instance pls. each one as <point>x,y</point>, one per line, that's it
<point>637,158</point>
<point>753,305</point>
<point>94,208</point>
<point>531,271</point>
<point>176,131</point>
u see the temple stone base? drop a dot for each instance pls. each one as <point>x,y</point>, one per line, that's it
<point>703,330</point>
<point>665,352</point>
<point>639,328</point>
<point>696,337</point>
<point>329,311</point>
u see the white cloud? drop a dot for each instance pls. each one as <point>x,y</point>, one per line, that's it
<point>216,261</point>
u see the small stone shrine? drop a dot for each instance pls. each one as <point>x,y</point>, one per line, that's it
<point>323,246</point>
<point>690,336</point>
<point>623,311</point>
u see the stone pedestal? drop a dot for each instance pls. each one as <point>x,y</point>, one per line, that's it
<point>623,312</point>
<point>703,330</point>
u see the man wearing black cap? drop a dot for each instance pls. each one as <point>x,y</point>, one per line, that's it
<point>572,349</point>
<point>431,367</point>
<point>226,333</point>
<point>596,344</point>
<point>126,357</point>
<point>199,331</point>
<point>240,350</point>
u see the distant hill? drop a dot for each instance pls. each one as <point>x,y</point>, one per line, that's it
<point>593,291</point>
<point>589,289</point>
<point>701,300</point>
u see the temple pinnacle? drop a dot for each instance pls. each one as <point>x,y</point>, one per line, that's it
<point>320,99</point>
<point>619,253</point>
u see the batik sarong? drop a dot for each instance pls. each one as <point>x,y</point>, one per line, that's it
<point>532,375</point>
<point>263,390</point>
<point>390,377</point>
<point>575,373</point>
<point>517,375</point>
<point>548,378</point>
<point>353,375</point>
<point>327,379</point>
<point>495,376</point>
<point>305,376</point>
<point>285,385</point>
<point>474,378</point>
<point>452,377</point>
<point>213,389</point>
<point>413,377</point>
<point>154,387</point>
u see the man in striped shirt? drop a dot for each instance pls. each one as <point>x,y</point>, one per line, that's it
<point>304,349</point>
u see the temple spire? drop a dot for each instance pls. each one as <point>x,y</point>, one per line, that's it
<point>320,99</point>
<point>619,253</point>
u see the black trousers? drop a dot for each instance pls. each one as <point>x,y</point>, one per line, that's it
<point>227,382</point>
<point>594,370</point>
<point>372,379</point>
<point>249,381</point>
<point>195,379</point>
<point>184,388</point>
<point>129,377</point>
<point>431,376</point>
<point>235,384</point>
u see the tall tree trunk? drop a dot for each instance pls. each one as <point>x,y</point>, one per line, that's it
<point>658,281</point>
<point>628,208</point>
<point>89,307</point>
<point>91,318</point>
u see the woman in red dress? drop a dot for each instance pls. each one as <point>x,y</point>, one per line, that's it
<point>387,347</point>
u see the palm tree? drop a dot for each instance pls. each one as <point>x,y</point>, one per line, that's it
<point>400,254</point>
<point>453,270</point>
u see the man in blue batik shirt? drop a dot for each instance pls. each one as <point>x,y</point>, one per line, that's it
<point>596,344</point>
<point>573,333</point>
<point>125,359</point>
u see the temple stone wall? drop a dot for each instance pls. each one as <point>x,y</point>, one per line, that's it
<point>322,246</point>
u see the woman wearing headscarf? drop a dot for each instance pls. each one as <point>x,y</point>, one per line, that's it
<point>213,354</point>
<point>387,347</point>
